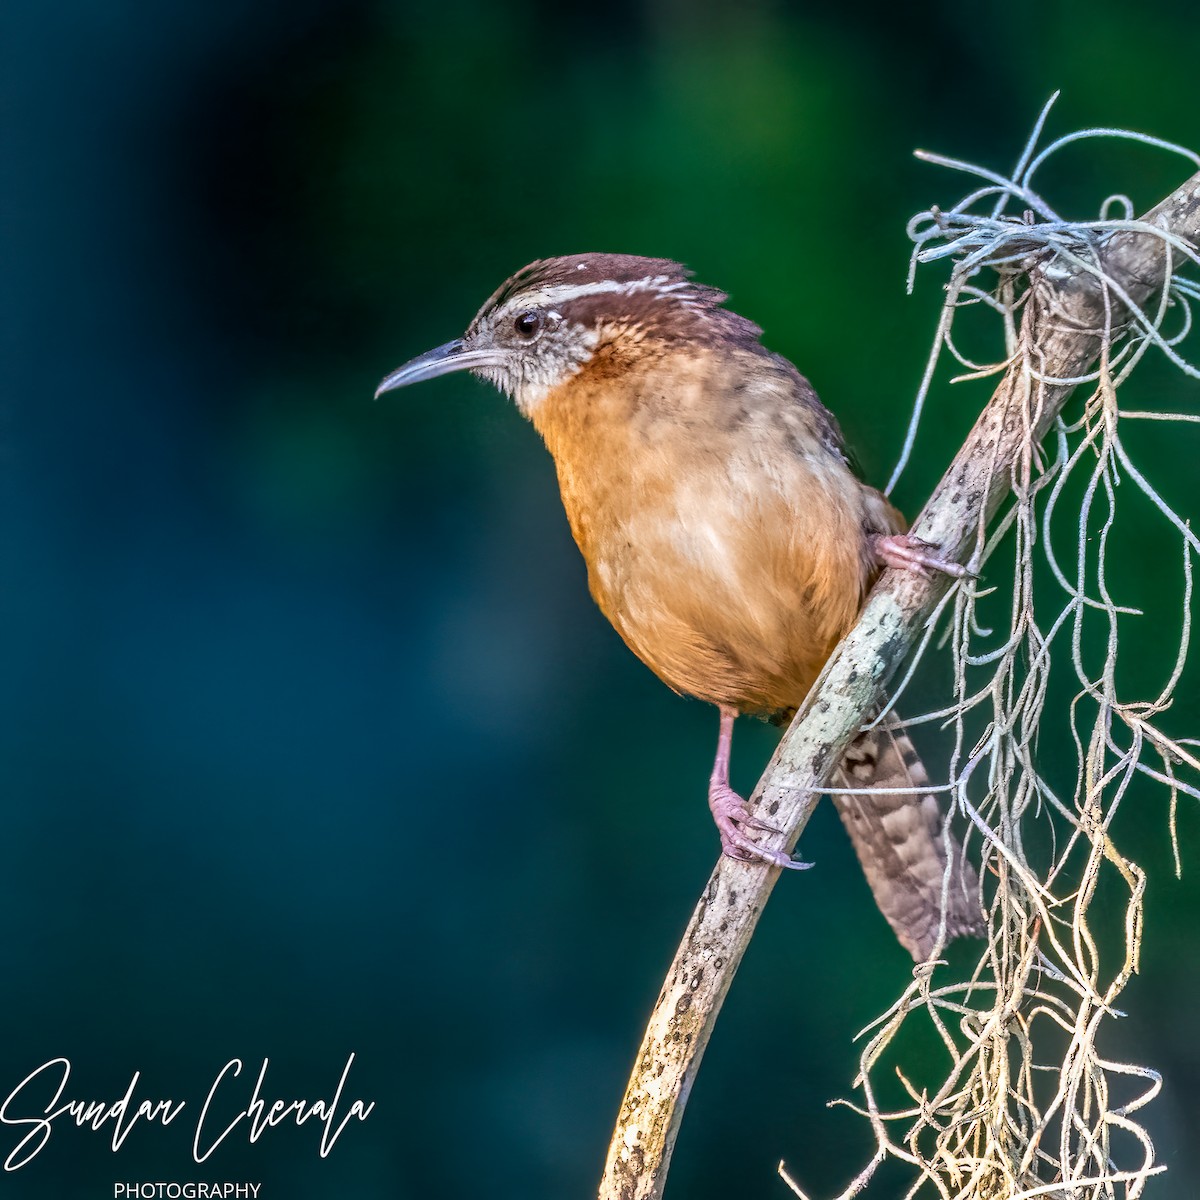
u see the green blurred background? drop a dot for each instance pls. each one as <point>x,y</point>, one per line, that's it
<point>313,740</point>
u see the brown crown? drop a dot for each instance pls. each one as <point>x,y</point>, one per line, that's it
<point>672,306</point>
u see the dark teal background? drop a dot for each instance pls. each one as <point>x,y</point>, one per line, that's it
<point>313,741</point>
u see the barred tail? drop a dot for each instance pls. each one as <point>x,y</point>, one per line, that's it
<point>899,842</point>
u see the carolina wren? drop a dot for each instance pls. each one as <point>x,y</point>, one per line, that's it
<point>726,537</point>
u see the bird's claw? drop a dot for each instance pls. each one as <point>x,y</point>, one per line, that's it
<point>732,819</point>
<point>758,826</point>
<point>912,554</point>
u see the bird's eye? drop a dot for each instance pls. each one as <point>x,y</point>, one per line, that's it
<point>528,324</point>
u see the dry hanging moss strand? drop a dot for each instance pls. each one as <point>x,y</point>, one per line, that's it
<point>1080,304</point>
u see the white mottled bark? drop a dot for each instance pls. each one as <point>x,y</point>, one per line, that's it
<point>1060,336</point>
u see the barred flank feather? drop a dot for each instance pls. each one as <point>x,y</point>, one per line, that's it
<point>898,839</point>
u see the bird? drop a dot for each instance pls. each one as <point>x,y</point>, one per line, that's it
<point>727,537</point>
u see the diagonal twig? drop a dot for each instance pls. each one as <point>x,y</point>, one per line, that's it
<point>1071,309</point>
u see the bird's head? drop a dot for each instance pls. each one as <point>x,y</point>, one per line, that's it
<point>547,322</point>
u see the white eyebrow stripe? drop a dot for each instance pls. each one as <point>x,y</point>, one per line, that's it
<point>564,293</point>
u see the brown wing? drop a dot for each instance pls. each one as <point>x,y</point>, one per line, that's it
<point>899,843</point>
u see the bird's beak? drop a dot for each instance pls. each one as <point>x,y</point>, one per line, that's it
<point>453,356</point>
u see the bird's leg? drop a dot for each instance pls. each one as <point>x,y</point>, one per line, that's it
<point>912,554</point>
<point>729,809</point>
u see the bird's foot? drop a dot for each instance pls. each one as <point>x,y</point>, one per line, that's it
<point>734,821</point>
<point>911,554</point>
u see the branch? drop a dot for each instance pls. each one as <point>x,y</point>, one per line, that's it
<point>1069,315</point>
